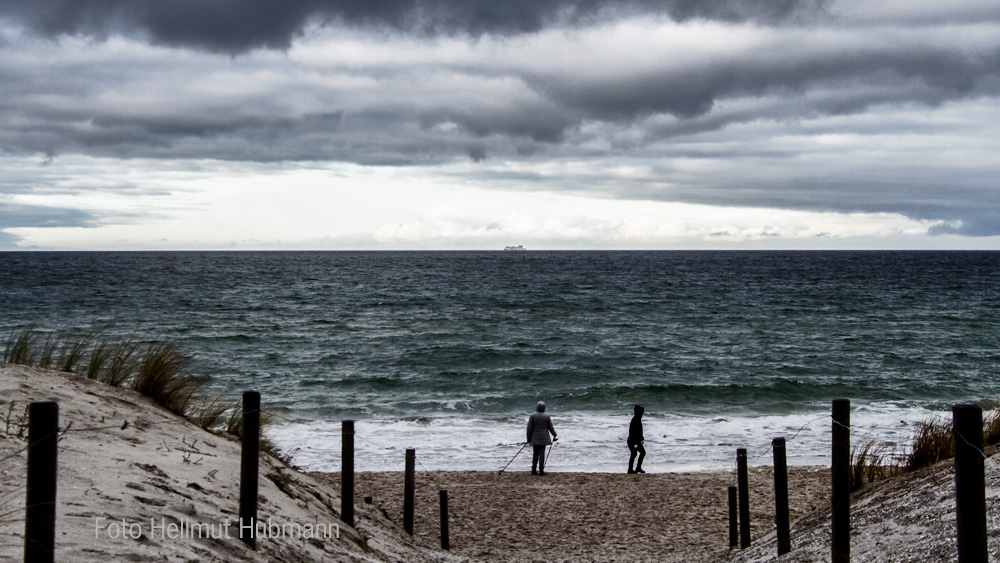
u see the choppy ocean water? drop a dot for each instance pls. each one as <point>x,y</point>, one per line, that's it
<point>448,352</point>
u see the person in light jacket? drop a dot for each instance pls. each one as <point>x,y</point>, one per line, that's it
<point>539,427</point>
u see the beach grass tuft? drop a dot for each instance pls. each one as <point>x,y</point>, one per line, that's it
<point>234,426</point>
<point>991,427</point>
<point>70,356</point>
<point>211,413</point>
<point>871,462</point>
<point>99,356</point>
<point>932,443</point>
<point>45,358</point>
<point>158,371</point>
<point>162,376</point>
<point>124,364</point>
<point>19,349</point>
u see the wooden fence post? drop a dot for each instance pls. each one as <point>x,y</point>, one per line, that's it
<point>409,490</point>
<point>743,482</point>
<point>249,458</point>
<point>40,500</point>
<point>347,472</point>
<point>781,496</point>
<point>445,540</point>
<point>733,531</point>
<point>970,483</point>
<point>840,473</point>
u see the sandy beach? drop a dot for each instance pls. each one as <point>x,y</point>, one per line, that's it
<point>589,516</point>
<point>160,470</point>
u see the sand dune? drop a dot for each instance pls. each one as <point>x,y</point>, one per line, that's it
<point>122,489</point>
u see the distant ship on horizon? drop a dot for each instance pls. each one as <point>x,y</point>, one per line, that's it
<point>517,248</point>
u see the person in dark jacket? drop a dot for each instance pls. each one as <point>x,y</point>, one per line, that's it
<point>539,427</point>
<point>635,441</point>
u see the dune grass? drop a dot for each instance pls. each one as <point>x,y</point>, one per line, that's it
<point>871,462</point>
<point>932,443</point>
<point>162,375</point>
<point>158,371</point>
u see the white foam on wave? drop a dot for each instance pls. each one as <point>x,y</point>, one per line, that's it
<point>594,442</point>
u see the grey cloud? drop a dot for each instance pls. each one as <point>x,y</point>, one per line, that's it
<point>924,74</point>
<point>719,110</point>
<point>235,26</point>
<point>14,216</point>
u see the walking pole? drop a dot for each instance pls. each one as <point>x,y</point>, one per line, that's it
<point>550,450</point>
<point>512,459</point>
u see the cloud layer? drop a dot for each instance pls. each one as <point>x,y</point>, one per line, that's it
<point>236,26</point>
<point>838,106</point>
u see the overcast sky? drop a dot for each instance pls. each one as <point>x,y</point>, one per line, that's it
<point>473,124</point>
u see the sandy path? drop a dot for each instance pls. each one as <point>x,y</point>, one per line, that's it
<point>589,516</point>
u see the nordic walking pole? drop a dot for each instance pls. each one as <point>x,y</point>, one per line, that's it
<point>554,440</point>
<point>512,459</point>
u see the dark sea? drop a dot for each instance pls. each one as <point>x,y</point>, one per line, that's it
<point>448,352</point>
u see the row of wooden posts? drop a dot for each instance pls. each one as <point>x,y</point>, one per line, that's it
<point>970,488</point>
<point>970,483</point>
<point>42,464</point>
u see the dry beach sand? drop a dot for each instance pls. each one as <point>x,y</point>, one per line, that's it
<point>162,469</point>
<point>590,516</point>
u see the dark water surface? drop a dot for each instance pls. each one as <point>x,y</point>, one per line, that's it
<point>446,347</point>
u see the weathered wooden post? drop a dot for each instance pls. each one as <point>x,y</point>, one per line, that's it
<point>840,473</point>
<point>733,531</point>
<point>970,483</point>
<point>445,540</point>
<point>409,490</point>
<point>781,496</point>
<point>40,501</point>
<point>347,472</point>
<point>250,454</point>
<point>744,491</point>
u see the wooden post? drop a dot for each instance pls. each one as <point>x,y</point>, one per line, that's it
<point>445,540</point>
<point>347,472</point>
<point>840,473</point>
<point>744,492</point>
<point>249,457</point>
<point>40,501</point>
<point>781,496</point>
<point>970,483</point>
<point>733,531</point>
<point>408,491</point>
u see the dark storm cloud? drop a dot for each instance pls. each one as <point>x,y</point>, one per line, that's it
<point>235,26</point>
<point>432,82</point>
